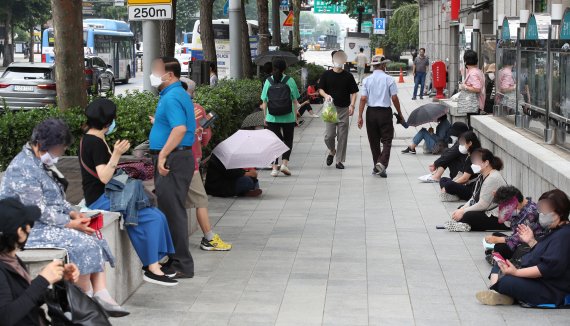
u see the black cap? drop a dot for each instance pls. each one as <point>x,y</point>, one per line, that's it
<point>458,128</point>
<point>14,214</point>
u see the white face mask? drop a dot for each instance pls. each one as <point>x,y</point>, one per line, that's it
<point>156,81</point>
<point>546,220</point>
<point>454,139</point>
<point>492,76</point>
<point>49,160</point>
<point>463,149</point>
<point>476,168</point>
<point>337,65</point>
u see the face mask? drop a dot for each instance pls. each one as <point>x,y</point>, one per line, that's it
<point>546,220</point>
<point>337,65</point>
<point>111,128</point>
<point>476,168</point>
<point>454,138</point>
<point>49,160</point>
<point>156,81</point>
<point>463,149</point>
<point>492,76</point>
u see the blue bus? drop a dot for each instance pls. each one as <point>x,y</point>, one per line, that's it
<point>111,40</point>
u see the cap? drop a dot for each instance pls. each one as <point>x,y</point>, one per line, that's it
<point>102,110</point>
<point>490,68</point>
<point>14,214</point>
<point>378,60</point>
<point>458,128</point>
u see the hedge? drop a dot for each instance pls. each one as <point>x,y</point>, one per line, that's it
<point>231,100</point>
<point>396,66</point>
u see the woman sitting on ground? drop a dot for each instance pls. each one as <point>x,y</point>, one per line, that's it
<point>461,187</point>
<point>450,159</point>
<point>480,213</point>
<point>430,138</point>
<point>514,210</point>
<point>20,295</point>
<point>544,276</point>
<point>151,236</point>
<point>221,182</point>
<point>33,177</point>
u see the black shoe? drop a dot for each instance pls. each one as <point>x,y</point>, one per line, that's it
<point>114,311</point>
<point>413,98</point>
<point>409,150</point>
<point>330,159</point>
<point>340,166</point>
<point>383,174</point>
<point>166,269</point>
<point>421,97</point>
<point>180,275</point>
<point>159,279</point>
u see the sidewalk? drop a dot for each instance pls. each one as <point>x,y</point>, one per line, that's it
<point>332,247</point>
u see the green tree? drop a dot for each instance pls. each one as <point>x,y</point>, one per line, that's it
<point>32,13</point>
<point>186,13</point>
<point>109,11</point>
<point>402,31</point>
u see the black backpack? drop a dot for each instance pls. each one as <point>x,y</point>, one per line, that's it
<point>279,97</point>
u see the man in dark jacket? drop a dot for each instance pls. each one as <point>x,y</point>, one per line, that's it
<point>221,182</point>
<point>451,158</point>
<point>20,296</point>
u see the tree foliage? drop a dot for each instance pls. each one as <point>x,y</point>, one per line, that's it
<point>402,32</point>
<point>186,13</point>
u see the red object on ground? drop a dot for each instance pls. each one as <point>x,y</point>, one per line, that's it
<point>439,74</point>
<point>401,76</point>
<point>455,5</point>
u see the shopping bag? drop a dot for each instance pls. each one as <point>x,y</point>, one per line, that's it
<point>329,112</point>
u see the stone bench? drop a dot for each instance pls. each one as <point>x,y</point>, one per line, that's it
<point>453,114</point>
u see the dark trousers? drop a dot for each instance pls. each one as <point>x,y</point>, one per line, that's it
<point>380,129</point>
<point>285,132</point>
<point>305,108</point>
<point>479,221</point>
<point>419,79</point>
<point>528,290</point>
<point>451,187</point>
<point>245,184</point>
<point>171,192</point>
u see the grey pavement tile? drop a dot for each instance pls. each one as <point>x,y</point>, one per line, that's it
<point>389,306</point>
<point>206,318</point>
<point>150,316</point>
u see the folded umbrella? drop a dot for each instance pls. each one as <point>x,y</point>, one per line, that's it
<point>427,113</point>
<point>250,148</point>
<point>256,119</point>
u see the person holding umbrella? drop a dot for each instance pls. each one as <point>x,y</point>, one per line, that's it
<point>431,139</point>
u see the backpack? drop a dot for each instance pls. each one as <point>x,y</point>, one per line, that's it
<point>279,97</point>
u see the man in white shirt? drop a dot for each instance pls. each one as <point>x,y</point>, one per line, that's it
<point>361,62</point>
<point>378,91</point>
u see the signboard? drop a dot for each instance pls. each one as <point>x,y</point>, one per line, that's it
<point>368,10</point>
<point>379,25</point>
<point>119,3</point>
<point>565,26</point>
<point>148,2</point>
<point>226,7</point>
<point>439,75</point>
<point>289,20</point>
<point>367,27</point>
<point>379,51</point>
<point>531,29</point>
<point>454,12</point>
<point>284,5</point>
<point>323,7</point>
<point>150,12</point>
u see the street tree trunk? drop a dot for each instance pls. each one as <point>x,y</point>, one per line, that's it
<point>276,23</point>
<point>263,20</point>
<point>296,23</point>
<point>8,39</point>
<point>68,29</point>
<point>207,30</point>
<point>245,46</point>
<point>168,34</point>
<point>32,45</point>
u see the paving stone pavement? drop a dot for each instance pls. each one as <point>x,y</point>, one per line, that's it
<point>332,247</point>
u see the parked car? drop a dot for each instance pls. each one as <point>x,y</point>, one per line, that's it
<point>99,78</point>
<point>27,86</point>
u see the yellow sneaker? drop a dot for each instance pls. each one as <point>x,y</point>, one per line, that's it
<point>216,244</point>
<point>493,298</point>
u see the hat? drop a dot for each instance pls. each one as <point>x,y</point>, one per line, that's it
<point>14,214</point>
<point>507,209</point>
<point>490,68</point>
<point>340,57</point>
<point>458,128</point>
<point>379,60</point>
<point>101,110</point>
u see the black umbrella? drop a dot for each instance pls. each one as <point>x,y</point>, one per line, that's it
<point>427,113</point>
<point>289,57</point>
<point>256,119</point>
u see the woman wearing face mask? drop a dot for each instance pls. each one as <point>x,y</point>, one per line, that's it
<point>474,84</point>
<point>20,295</point>
<point>479,213</point>
<point>544,276</point>
<point>33,177</point>
<point>462,186</point>
<point>490,88</point>
<point>151,236</point>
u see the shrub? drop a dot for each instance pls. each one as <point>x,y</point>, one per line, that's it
<point>395,66</point>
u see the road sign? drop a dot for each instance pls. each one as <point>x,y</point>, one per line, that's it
<point>226,7</point>
<point>148,2</point>
<point>323,7</point>
<point>368,10</point>
<point>150,12</point>
<point>289,20</point>
<point>284,5</point>
<point>379,25</point>
<point>119,3</point>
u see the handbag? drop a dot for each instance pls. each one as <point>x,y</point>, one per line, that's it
<point>96,224</point>
<point>68,305</point>
<point>467,102</point>
<point>141,170</point>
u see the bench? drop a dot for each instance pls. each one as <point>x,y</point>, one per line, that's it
<point>453,114</point>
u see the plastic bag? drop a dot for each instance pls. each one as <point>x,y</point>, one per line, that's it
<point>329,113</point>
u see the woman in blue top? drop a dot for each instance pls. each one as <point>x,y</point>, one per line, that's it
<point>283,125</point>
<point>544,276</point>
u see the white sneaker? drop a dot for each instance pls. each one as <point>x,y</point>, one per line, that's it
<point>274,172</point>
<point>454,226</point>
<point>428,178</point>
<point>380,167</point>
<point>285,169</point>
<point>314,115</point>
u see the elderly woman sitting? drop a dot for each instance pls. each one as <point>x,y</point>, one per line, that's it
<point>33,177</point>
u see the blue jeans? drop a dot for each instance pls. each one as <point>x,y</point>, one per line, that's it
<point>245,184</point>
<point>424,135</point>
<point>419,78</point>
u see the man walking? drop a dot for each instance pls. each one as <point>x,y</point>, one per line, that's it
<point>420,68</point>
<point>340,86</point>
<point>361,62</point>
<point>377,92</point>
<point>171,139</point>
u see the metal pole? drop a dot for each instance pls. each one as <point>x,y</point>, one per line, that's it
<point>518,116</point>
<point>548,132</point>
<point>151,48</point>
<point>235,39</point>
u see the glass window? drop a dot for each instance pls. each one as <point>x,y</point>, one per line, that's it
<point>221,32</point>
<point>25,73</point>
<point>102,44</point>
<point>100,63</point>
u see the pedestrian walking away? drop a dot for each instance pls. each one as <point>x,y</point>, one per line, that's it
<point>378,90</point>
<point>340,86</point>
<point>171,139</point>
<point>361,62</point>
<point>419,69</point>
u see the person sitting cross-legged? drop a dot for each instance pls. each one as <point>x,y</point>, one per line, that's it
<point>222,182</point>
<point>431,139</point>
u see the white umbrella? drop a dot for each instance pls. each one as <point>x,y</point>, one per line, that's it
<point>250,148</point>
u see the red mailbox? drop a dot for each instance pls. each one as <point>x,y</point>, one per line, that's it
<point>439,74</point>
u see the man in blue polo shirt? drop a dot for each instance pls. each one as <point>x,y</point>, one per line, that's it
<point>171,139</point>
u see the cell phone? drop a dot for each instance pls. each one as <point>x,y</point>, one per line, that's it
<point>440,227</point>
<point>499,258</point>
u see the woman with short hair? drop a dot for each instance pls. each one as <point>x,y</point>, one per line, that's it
<point>461,187</point>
